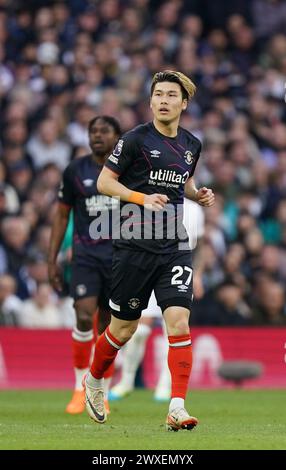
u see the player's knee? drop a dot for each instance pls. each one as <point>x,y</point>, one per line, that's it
<point>179,328</point>
<point>124,334</point>
<point>84,319</point>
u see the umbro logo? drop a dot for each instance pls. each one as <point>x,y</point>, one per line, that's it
<point>182,288</point>
<point>155,153</point>
<point>88,182</point>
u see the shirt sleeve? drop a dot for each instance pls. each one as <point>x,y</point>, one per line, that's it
<point>196,158</point>
<point>123,153</point>
<point>66,192</point>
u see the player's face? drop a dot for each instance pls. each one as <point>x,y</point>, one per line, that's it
<point>102,138</point>
<point>167,102</point>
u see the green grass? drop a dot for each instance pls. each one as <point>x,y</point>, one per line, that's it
<point>228,420</point>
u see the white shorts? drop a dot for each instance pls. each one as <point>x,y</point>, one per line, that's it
<point>153,309</point>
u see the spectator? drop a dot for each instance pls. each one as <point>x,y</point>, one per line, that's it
<point>10,304</point>
<point>46,147</point>
<point>15,232</point>
<point>34,271</point>
<point>270,262</point>
<point>41,310</point>
<point>224,307</point>
<point>231,308</point>
<point>77,130</point>
<point>20,177</point>
<point>11,202</point>
<point>271,305</point>
<point>268,16</point>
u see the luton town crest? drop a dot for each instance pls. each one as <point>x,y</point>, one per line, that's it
<point>189,157</point>
<point>134,303</point>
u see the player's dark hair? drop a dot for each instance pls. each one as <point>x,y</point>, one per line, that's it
<point>187,86</point>
<point>109,120</point>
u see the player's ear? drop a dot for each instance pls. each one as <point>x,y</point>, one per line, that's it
<point>185,104</point>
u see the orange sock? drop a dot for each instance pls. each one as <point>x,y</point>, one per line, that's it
<point>106,349</point>
<point>81,348</point>
<point>180,364</point>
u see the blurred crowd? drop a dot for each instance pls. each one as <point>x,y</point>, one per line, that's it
<point>63,62</point>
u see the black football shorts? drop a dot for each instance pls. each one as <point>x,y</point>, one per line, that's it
<point>88,281</point>
<point>136,273</point>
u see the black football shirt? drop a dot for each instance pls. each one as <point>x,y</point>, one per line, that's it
<point>150,162</point>
<point>92,241</point>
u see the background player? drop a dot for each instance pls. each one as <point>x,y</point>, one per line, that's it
<point>152,165</point>
<point>91,262</point>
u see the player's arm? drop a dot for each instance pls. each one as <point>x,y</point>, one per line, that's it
<point>120,160</point>
<point>108,184</point>
<point>59,226</point>
<point>191,190</point>
<point>66,203</point>
<point>203,196</point>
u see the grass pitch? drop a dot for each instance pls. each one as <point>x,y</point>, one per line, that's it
<point>236,419</point>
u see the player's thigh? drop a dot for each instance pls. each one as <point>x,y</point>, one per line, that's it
<point>86,283</point>
<point>105,291</point>
<point>132,283</point>
<point>87,304</point>
<point>177,320</point>
<point>174,286</point>
<point>122,329</point>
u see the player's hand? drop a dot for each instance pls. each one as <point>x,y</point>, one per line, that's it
<point>205,197</point>
<point>55,276</point>
<point>155,202</point>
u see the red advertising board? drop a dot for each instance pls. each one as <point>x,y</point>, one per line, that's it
<point>42,359</point>
<point>213,346</point>
<point>35,358</point>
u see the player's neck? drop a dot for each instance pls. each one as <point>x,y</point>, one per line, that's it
<point>99,159</point>
<point>168,129</point>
